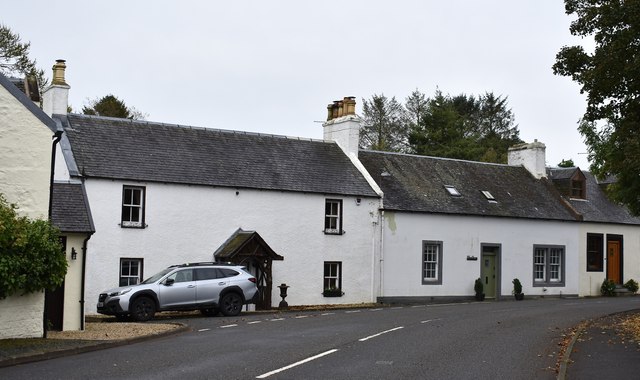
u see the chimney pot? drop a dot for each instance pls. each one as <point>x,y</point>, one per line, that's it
<point>58,72</point>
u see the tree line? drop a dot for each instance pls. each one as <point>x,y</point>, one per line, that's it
<point>469,127</point>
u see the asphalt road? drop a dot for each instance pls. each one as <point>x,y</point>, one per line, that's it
<point>488,340</point>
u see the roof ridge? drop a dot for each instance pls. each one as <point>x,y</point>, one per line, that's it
<point>435,158</point>
<point>220,130</point>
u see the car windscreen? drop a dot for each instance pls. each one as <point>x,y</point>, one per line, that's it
<point>157,276</point>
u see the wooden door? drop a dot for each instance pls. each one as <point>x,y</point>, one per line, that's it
<point>613,261</point>
<point>488,273</point>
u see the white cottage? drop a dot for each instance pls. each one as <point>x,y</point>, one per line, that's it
<point>162,194</point>
<point>25,172</point>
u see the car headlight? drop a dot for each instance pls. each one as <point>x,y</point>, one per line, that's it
<point>123,291</point>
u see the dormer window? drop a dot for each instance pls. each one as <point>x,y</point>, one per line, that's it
<point>578,188</point>
<point>453,191</point>
<point>489,196</point>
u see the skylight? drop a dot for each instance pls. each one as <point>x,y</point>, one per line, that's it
<point>489,196</point>
<point>453,191</point>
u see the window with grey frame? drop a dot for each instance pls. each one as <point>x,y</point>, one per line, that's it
<point>133,198</point>
<point>431,262</point>
<point>333,217</point>
<point>332,279</point>
<point>548,265</point>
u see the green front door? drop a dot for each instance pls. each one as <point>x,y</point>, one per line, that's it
<point>488,274</point>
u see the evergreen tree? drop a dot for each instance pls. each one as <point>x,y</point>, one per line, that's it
<point>111,106</point>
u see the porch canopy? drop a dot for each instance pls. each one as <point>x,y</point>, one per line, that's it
<point>249,249</point>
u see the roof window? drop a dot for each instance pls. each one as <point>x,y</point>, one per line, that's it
<point>453,191</point>
<point>489,196</point>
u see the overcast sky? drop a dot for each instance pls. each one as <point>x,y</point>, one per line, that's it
<point>273,66</point>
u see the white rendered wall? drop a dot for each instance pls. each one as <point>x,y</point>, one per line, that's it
<point>590,282</point>
<point>25,157</point>
<point>21,316</point>
<point>462,236</point>
<point>188,223</point>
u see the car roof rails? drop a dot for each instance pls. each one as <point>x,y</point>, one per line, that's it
<point>206,263</point>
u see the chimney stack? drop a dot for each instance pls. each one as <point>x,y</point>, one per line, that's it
<point>343,125</point>
<point>55,99</point>
<point>531,156</point>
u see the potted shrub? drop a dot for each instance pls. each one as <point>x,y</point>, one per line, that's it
<point>631,285</point>
<point>478,287</point>
<point>608,288</point>
<point>517,290</point>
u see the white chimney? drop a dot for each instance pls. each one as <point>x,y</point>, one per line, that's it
<point>55,99</point>
<point>531,156</point>
<point>343,125</point>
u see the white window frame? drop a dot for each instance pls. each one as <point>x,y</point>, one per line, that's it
<point>332,280</point>
<point>431,262</point>
<point>549,265</point>
<point>129,205</point>
<point>125,271</point>
<point>333,217</point>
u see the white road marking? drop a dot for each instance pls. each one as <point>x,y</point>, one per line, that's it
<point>431,320</point>
<point>225,326</point>
<point>201,330</point>
<point>352,311</point>
<point>263,376</point>
<point>327,313</point>
<point>380,333</point>
<point>253,322</point>
<point>397,307</point>
<point>302,316</point>
<point>449,304</point>
<point>277,319</point>
<point>416,306</point>
<point>375,309</point>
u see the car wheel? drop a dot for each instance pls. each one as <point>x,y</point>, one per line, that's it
<point>210,312</point>
<point>231,304</point>
<point>143,309</point>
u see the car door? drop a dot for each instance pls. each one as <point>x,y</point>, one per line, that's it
<point>210,282</point>
<point>179,291</point>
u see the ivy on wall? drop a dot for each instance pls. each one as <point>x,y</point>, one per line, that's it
<point>31,255</point>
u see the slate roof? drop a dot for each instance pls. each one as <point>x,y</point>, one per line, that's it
<point>70,211</point>
<point>417,184</point>
<point>596,207</point>
<point>156,152</point>
<point>247,243</point>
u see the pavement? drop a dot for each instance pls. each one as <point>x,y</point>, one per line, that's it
<point>599,349</point>
<point>602,349</point>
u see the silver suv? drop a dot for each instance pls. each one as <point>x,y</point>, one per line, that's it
<point>208,287</point>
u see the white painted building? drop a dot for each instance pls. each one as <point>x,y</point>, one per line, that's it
<point>25,157</point>
<point>165,194</point>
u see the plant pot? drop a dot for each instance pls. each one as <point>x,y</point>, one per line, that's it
<point>519,296</point>
<point>480,297</point>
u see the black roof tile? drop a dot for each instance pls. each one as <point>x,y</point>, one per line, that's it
<point>417,184</point>
<point>156,152</point>
<point>70,211</point>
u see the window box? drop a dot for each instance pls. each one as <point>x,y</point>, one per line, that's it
<point>333,293</point>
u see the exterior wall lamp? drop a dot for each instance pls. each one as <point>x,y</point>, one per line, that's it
<point>74,254</point>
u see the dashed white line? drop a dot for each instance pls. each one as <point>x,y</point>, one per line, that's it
<point>227,326</point>
<point>431,320</point>
<point>253,322</point>
<point>375,309</point>
<point>202,330</point>
<point>416,306</point>
<point>265,375</point>
<point>380,333</point>
<point>397,307</point>
<point>327,313</point>
<point>277,319</point>
<point>302,316</point>
<point>352,311</point>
